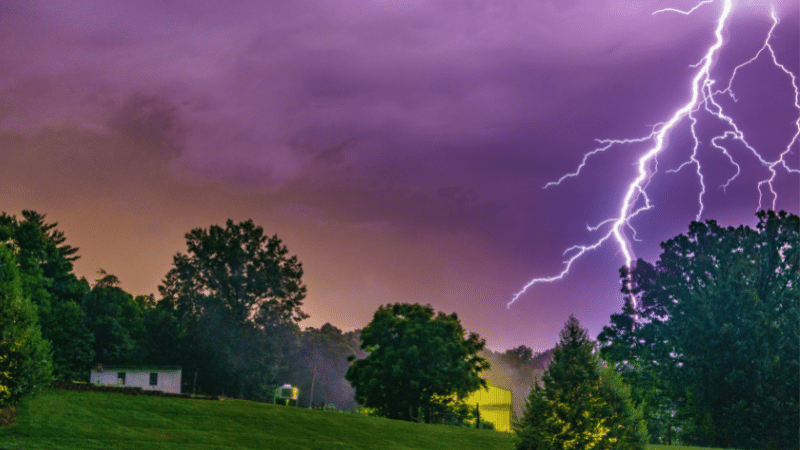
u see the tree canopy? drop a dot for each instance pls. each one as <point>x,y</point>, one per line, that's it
<point>47,279</point>
<point>710,342</point>
<point>416,359</point>
<point>236,296</point>
<point>25,357</point>
<point>239,271</point>
<point>116,321</point>
<point>580,404</point>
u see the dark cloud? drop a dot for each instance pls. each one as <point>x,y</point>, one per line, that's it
<point>400,148</point>
<point>151,124</point>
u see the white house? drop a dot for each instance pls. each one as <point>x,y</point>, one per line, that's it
<point>166,379</point>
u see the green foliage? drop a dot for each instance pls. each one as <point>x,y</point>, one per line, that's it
<point>415,357</point>
<point>71,340</point>
<point>161,343</point>
<point>235,297</point>
<point>25,359</point>
<point>46,276</point>
<point>580,405</point>
<point>711,346</point>
<point>116,321</point>
<point>238,271</point>
<point>455,412</point>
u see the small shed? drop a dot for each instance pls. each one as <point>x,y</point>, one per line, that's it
<point>495,406</point>
<point>150,378</point>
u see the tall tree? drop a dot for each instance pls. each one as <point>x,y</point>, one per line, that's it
<point>580,405</point>
<point>161,343</point>
<point>715,328</point>
<point>116,322</point>
<point>236,295</point>
<point>25,358</point>
<point>47,278</point>
<point>416,358</point>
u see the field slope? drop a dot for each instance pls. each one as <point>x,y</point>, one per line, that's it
<point>59,419</point>
<point>97,420</point>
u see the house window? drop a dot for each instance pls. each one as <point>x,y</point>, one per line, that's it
<point>121,378</point>
<point>153,379</point>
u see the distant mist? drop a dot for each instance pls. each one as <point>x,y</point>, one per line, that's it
<point>322,358</point>
<point>517,369</point>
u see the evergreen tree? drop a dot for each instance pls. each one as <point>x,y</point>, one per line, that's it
<point>581,405</point>
<point>25,360</point>
<point>46,278</point>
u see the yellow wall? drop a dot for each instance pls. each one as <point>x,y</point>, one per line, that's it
<point>495,406</point>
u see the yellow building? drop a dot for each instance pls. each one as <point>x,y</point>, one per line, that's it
<point>494,404</point>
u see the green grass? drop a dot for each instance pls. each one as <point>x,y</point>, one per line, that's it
<point>679,447</point>
<point>97,420</point>
<point>58,419</point>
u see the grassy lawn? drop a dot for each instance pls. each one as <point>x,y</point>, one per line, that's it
<point>679,447</point>
<point>88,420</point>
<point>58,419</point>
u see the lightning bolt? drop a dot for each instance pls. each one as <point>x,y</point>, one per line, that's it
<point>703,97</point>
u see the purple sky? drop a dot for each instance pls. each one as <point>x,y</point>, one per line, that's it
<point>399,148</point>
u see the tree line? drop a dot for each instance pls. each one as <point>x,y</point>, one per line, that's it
<point>228,312</point>
<point>709,338</point>
<point>704,351</point>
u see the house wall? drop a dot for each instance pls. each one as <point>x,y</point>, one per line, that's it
<point>495,405</point>
<point>168,380</point>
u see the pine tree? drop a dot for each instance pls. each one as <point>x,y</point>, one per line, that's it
<point>581,405</point>
<point>25,359</point>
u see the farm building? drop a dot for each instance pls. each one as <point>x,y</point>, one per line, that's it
<point>494,405</point>
<point>163,378</point>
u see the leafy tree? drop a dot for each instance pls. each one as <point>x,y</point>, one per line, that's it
<point>415,357</point>
<point>521,356</point>
<point>25,359</point>
<point>714,334</point>
<point>580,405</point>
<point>236,297</point>
<point>116,322</point>
<point>239,270</point>
<point>161,343</point>
<point>47,279</point>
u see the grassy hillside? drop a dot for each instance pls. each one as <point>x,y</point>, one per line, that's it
<point>88,420</point>
<point>58,419</point>
<point>679,447</point>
